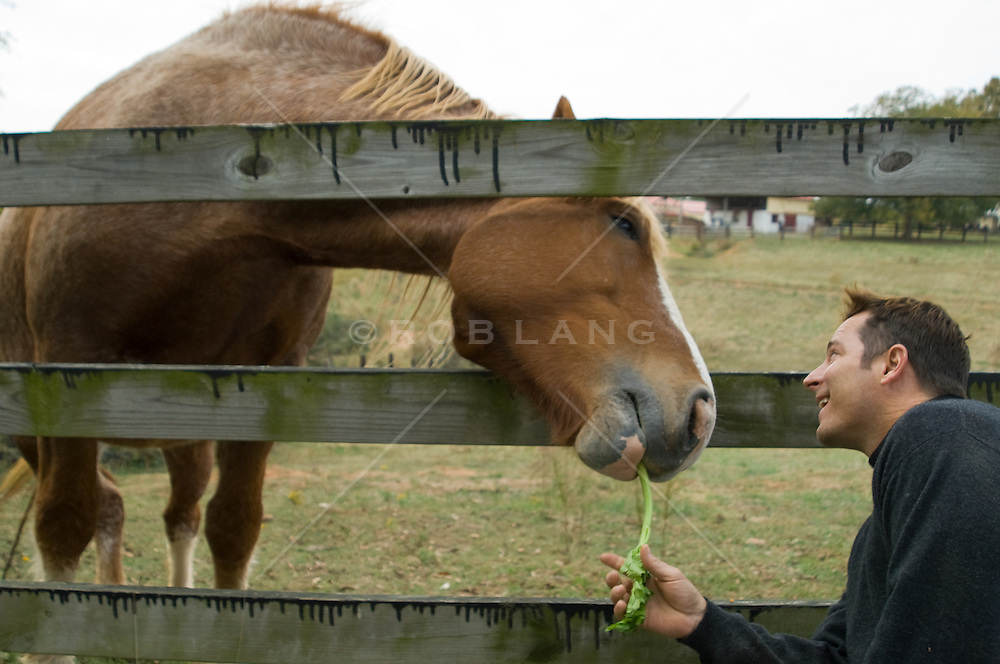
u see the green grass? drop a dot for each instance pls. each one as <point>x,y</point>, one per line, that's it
<point>770,305</point>
<point>509,521</point>
<point>437,520</point>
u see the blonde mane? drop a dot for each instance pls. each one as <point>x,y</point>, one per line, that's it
<point>404,83</point>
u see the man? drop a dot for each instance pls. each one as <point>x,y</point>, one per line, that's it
<point>923,577</point>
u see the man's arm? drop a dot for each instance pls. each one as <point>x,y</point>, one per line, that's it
<point>726,637</point>
<point>677,609</point>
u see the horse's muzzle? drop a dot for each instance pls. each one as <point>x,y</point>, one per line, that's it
<point>633,425</point>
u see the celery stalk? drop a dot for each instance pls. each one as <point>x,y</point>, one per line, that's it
<point>635,610</point>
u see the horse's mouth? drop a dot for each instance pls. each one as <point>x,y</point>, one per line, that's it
<point>611,441</point>
<point>631,426</point>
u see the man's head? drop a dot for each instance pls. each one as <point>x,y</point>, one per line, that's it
<point>937,348</point>
<point>888,355</point>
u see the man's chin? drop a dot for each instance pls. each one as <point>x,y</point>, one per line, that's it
<point>828,438</point>
<point>832,440</point>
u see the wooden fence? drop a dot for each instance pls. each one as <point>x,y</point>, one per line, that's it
<point>849,231</point>
<point>875,157</point>
<point>919,231</point>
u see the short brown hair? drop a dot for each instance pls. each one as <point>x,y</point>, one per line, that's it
<point>937,348</point>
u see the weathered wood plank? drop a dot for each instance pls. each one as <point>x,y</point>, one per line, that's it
<point>860,157</point>
<point>264,403</point>
<point>354,406</point>
<point>233,626</point>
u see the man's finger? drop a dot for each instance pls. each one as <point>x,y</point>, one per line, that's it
<point>614,579</point>
<point>612,560</point>
<point>619,593</point>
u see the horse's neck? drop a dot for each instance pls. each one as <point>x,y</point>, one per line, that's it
<point>408,236</point>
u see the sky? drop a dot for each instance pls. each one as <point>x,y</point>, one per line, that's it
<point>624,59</point>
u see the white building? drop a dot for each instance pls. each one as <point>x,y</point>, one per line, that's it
<point>762,215</point>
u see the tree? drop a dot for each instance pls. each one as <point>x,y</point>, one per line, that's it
<point>953,212</point>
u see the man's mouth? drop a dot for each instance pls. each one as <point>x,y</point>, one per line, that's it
<point>823,402</point>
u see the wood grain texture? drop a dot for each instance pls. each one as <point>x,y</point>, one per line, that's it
<point>355,406</point>
<point>252,626</point>
<point>793,157</point>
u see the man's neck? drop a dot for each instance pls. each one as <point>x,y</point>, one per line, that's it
<point>891,414</point>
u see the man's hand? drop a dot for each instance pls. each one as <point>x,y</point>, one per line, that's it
<point>675,608</point>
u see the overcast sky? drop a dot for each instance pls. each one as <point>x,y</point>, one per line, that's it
<point>626,58</point>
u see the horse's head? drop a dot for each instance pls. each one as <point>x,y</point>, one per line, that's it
<point>566,299</point>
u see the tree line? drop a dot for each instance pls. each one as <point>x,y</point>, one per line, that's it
<point>925,211</point>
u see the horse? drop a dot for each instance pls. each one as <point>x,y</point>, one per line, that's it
<point>600,349</point>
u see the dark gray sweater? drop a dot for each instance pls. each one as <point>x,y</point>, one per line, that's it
<point>923,578</point>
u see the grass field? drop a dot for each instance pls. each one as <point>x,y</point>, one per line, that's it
<point>765,304</point>
<point>530,522</point>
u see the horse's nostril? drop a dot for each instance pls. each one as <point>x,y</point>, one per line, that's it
<point>635,405</point>
<point>701,419</point>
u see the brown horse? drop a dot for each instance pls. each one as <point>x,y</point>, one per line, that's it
<point>600,348</point>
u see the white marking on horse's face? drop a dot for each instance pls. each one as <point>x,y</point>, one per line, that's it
<point>675,315</point>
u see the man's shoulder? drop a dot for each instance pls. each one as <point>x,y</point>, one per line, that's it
<point>953,418</point>
<point>950,439</point>
<point>952,410</point>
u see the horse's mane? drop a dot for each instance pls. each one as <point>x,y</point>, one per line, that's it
<point>406,83</point>
<point>657,238</point>
<point>400,84</point>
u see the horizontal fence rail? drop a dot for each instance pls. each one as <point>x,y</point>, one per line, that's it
<point>342,405</point>
<point>354,406</point>
<point>234,626</point>
<point>729,157</point>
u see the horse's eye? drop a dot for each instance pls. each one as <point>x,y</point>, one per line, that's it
<point>627,227</point>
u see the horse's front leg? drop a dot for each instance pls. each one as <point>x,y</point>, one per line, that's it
<point>190,467</point>
<point>108,533</point>
<point>67,502</point>
<point>232,523</point>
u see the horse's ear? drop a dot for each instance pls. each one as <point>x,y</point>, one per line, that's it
<point>563,110</point>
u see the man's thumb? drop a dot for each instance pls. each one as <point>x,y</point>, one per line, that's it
<point>658,569</point>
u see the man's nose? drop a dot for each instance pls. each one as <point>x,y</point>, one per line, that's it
<point>812,380</point>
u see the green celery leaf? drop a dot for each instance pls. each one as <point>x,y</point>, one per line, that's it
<point>635,609</point>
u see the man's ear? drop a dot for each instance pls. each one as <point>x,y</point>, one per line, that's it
<point>563,110</point>
<point>895,364</point>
